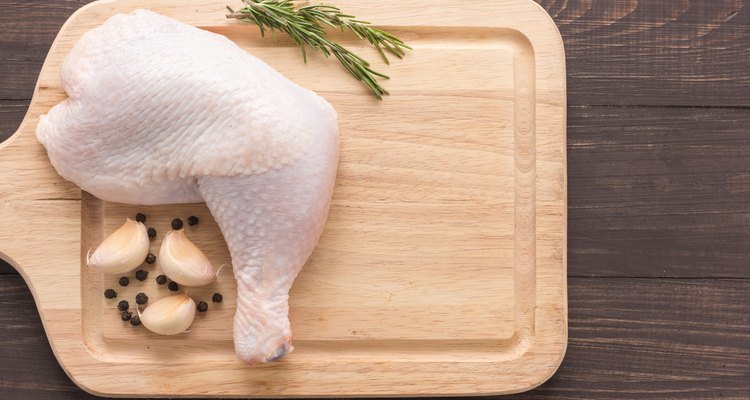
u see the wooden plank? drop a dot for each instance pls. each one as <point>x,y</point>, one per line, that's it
<point>6,269</point>
<point>654,339</point>
<point>27,29</point>
<point>659,192</point>
<point>629,52</point>
<point>11,115</point>
<point>618,51</point>
<point>678,339</point>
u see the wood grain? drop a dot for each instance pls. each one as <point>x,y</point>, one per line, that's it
<point>630,52</point>
<point>471,184</point>
<point>27,29</point>
<point>659,192</point>
<point>678,339</point>
<point>655,339</point>
<point>11,114</point>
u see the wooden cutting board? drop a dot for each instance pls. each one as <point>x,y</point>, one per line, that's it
<point>442,270</point>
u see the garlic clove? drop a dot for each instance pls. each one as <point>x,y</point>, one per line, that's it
<point>170,315</point>
<point>123,250</point>
<point>183,262</point>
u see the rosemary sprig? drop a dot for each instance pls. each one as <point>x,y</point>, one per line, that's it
<point>306,27</point>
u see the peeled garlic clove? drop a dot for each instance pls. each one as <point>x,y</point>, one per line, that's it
<point>183,262</point>
<point>170,315</point>
<point>123,250</point>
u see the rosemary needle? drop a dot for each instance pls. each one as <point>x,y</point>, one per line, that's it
<point>333,17</point>
<point>306,27</point>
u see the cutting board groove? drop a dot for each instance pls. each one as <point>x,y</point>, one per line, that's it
<point>442,269</point>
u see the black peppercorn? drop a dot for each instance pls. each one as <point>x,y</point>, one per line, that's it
<point>126,315</point>
<point>192,220</point>
<point>123,305</point>
<point>150,258</point>
<point>110,293</point>
<point>217,298</point>
<point>141,298</point>
<point>173,286</point>
<point>151,233</point>
<point>124,281</point>
<point>140,218</point>
<point>176,224</point>
<point>161,279</point>
<point>135,321</point>
<point>202,306</point>
<point>141,275</point>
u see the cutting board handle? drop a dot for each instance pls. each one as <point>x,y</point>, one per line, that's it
<point>34,198</point>
<point>12,230</point>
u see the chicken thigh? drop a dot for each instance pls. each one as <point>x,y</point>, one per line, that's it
<point>160,112</point>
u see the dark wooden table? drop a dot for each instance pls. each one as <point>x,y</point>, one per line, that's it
<point>659,200</point>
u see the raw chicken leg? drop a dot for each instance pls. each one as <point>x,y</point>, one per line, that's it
<point>160,112</point>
